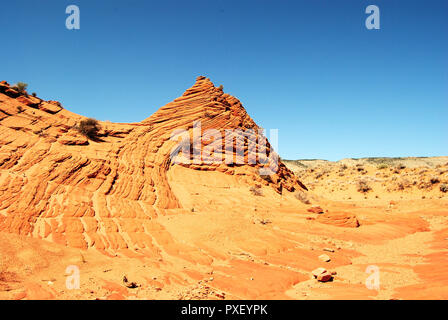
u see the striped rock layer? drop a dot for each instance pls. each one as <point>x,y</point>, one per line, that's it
<point>107,193</point>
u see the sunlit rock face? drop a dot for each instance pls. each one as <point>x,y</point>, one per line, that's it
<point>107,192</point>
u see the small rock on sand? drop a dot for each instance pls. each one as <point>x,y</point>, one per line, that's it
<point>324,258</point>
<point>316,209</point>
<point>322,275</point>
<point>318,271</point>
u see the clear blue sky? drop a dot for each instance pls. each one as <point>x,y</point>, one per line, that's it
<point>308,68</point>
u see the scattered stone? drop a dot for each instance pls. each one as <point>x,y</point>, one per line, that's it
<point>130,285</point>
<point>316,209</point>
<point>318,271</point>
<point>221,296</point>
<point>324,258</point>
<point>324,277</point>
<point>328,249</point>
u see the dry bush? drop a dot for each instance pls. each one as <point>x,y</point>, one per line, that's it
<point>256,191</point>
<point>20,87</point>
<point>444,188</point>
<point>89,128</point>
<point>363,186</point>
<point>382,166</point>
<point>434,180</point>
<point>300,195</point>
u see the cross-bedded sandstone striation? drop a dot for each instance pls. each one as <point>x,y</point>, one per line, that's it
<point>106,193</point>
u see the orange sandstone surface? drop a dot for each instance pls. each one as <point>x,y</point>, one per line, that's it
<point>139,226</point>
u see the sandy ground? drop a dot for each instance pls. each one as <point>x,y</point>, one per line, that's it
<point>231,243</point>
<point>112,217</point>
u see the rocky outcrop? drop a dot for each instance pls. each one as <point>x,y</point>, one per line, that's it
<point>58,185</point>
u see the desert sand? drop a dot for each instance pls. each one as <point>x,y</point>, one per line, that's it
<point>141,227</point>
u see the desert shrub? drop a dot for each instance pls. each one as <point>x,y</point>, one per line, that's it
<point>383,166</point>
<point>34,94</point>
<point>434,180</point>
<point>20,87</point>
<point>20,109</point>
<point>363,186</point>
<point>89,128</point>
<point>256,191</point>
<point>444,188</point>
<point>221,87</point>
<point>300,195</point>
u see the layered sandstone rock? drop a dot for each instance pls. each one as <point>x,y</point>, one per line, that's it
<point>58,185</point>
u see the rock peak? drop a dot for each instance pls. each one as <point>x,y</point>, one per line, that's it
<point>111,190</point>
<point>203,79</point>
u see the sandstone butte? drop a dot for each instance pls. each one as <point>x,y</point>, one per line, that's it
<point>118,201</point>
<point>81,193</point>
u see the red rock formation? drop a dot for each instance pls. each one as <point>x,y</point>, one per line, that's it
<point>58,185</point>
